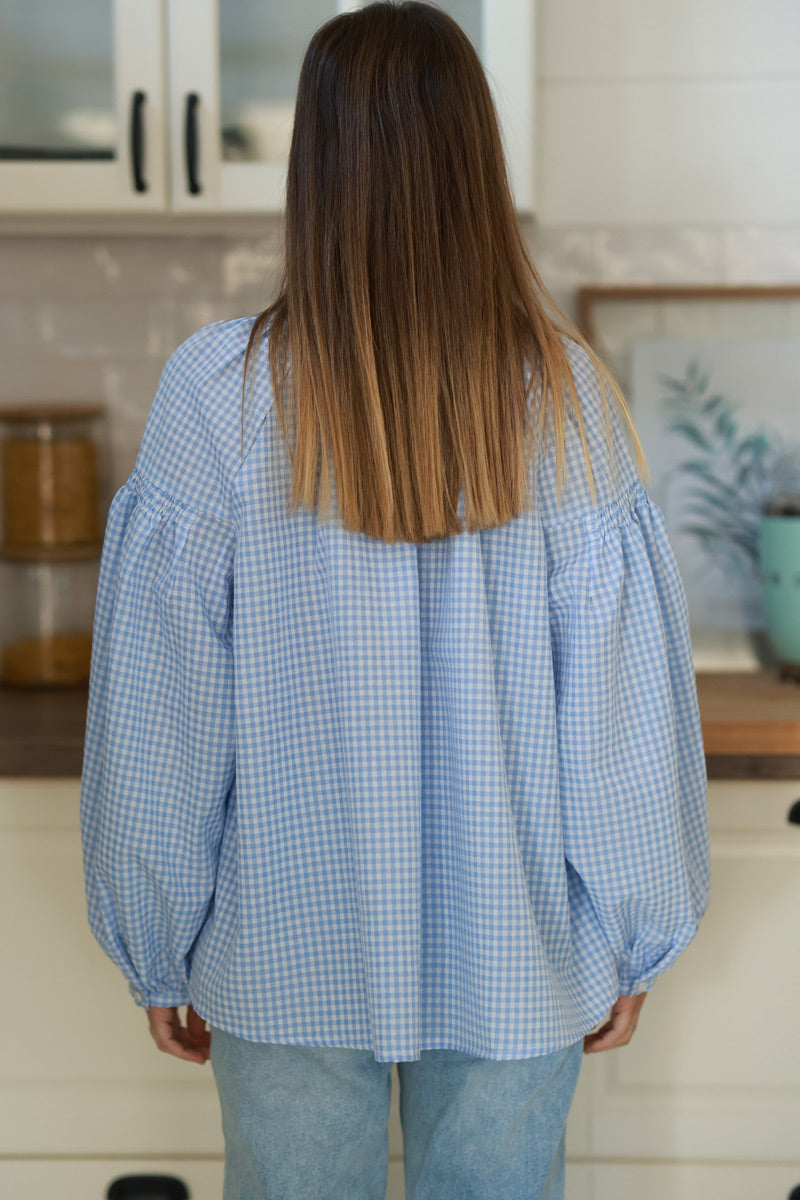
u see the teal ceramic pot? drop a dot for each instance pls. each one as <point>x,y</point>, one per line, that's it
<point>779,550</point>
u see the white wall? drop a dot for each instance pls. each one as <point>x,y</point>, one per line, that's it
<point>668,142</point>
<point>669,112</point>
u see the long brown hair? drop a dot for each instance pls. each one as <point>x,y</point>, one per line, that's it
<point>410,322</point>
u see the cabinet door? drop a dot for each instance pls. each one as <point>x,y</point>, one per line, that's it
<point>713,1072</point>
<point>507,51</point>
<point>681,1181</point>
<point>81,114</point>
<point>79,1073</point>
<point>91,1178</point>
<point>234,68</point>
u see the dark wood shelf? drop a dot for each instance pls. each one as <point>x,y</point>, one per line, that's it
<point>77,552</point>
<point>751,727</point>
<point>42,731</point>
<point>751,724</point>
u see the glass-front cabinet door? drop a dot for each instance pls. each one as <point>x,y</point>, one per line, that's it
<point>187,105</point>
<point>233,72</point>
<point>502,31</point>
<point>81,105</point>
<point>234,67</point>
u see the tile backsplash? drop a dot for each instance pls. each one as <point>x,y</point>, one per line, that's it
<point>95,318</point>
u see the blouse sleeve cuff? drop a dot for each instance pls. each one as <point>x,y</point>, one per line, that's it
<point>652,954</point>
<point>146,999</point>
<point>635,987</point>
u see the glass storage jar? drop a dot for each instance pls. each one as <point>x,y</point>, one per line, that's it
<point>46,613</point>
<point>52,460</point>
<point>53,492</point>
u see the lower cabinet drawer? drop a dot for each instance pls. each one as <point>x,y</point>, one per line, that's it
<point>89,1179</point>
<point>681,1181</point>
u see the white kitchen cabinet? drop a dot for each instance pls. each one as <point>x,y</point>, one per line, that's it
<point>186,106</point>
<point>703,1103</point>
<point>85,1096</point>
<point>233,74</point>
<point>80,83</point>
<point>79,1073</point>
<point>705,1099</point>
<point>682,1181</point>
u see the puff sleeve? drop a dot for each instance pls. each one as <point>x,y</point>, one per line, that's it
<point>159,753</point>
<point>631,759</point>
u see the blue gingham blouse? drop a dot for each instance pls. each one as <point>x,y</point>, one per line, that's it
<point>341,792</point>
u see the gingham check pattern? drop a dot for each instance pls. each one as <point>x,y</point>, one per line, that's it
<point>340,792</point>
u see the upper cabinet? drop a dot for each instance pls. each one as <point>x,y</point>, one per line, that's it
<point>186,105</point>
<point>234,67</point>
<point>82,114</point>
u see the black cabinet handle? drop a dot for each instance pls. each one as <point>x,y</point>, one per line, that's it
<point>793,817</point>
<point>192,142</point>
<point>137,140</point>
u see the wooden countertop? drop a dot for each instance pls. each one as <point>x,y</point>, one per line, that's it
<point>41,731</point>
<point>751,724</point>
<point>751,727</point>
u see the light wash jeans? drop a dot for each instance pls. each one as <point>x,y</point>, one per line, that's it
<point>310,1122</point>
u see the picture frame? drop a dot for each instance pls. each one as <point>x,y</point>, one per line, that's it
<point>612,315</point>
<point>711,374</point>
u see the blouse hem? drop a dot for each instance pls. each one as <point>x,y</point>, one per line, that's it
<point>442,1042</point>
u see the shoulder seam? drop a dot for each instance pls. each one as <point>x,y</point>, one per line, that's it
<point>157,498</point>
<point>612,513</point>
<point>257,425</point>
<point>195,381</point>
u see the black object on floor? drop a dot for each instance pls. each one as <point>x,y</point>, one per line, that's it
<point>148,1187</point>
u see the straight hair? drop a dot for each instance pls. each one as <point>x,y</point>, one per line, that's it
<point>411,324</point>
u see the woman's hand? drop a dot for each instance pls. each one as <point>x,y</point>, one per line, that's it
<point>620,1027</point>
<point>191,1041</point>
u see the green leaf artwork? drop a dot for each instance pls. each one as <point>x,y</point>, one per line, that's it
<point>727,478</point>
